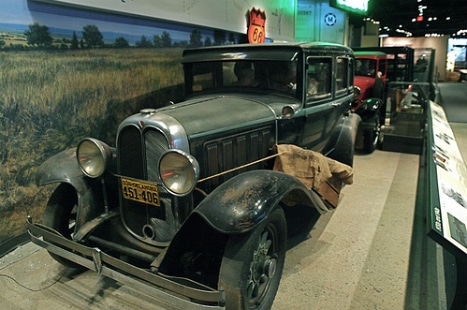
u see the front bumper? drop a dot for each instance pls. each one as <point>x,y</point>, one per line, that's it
<point>174,292</point>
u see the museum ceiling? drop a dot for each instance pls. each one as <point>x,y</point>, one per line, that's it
<point>435,17</point>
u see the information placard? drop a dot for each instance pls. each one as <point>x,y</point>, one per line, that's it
<point>448,206</point>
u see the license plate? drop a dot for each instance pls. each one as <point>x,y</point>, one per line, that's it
<point>140,191</point>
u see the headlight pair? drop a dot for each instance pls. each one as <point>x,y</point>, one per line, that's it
<point>178,170</point>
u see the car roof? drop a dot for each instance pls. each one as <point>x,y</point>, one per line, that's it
<point>264,51</point>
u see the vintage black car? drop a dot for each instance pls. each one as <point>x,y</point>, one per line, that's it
<point>187,203</point>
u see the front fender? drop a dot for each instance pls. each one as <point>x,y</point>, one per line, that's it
<point>242,202</point>
<point>369,108</point>
<point>62,168</point>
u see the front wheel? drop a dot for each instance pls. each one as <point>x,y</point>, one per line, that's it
<point>60,216</point>
<point>252,265</point>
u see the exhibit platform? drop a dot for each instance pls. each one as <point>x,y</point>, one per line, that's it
<point>359,256</point>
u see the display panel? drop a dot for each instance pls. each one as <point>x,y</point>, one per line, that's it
<point>448,204</point>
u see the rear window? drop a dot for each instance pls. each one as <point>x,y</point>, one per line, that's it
<point>319,73</point>
<point>342,74</point>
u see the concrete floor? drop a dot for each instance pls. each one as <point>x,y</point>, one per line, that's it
<point>356,257</point>
<point>360,260</point>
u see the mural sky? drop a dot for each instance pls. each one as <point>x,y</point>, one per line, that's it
<point>18,14</point>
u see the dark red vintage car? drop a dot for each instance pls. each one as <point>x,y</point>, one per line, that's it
<point>370,85</point>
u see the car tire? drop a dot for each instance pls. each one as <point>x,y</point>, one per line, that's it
<point>60,216</point>
<point>378,89</point>
<point>252,265</point>
<point>372,137</point>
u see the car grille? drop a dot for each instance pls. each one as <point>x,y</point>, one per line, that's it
<point>138,157</point>
<point>139,153</point>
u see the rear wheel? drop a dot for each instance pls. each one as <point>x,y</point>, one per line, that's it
<point>252,265</point>
<point>60,216</point>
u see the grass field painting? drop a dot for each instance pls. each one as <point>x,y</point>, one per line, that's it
<point>49,100</point>
<point>68,73</point>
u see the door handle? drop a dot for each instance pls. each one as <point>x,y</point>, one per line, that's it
<point>336,104</point>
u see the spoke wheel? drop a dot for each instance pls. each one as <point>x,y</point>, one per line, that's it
<point>252,264</point>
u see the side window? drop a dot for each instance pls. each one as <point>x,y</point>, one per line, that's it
<point>228,69</point>
<point>382,66</point>
<point>318,77</point>
<point>202,75</point>
<point>342,74</point>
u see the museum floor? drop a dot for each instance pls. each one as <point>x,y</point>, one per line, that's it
<point>356,257</point>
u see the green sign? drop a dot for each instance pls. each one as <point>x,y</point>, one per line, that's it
<point>355,6</point>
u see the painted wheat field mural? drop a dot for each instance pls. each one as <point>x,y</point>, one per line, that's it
<point>49,100</point>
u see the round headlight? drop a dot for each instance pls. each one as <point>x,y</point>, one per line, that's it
<point>93,156</point>
<point>288,112</point>
<point>179,172</point>
<point>356,92</point>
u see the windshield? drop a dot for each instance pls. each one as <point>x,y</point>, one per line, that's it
<point>365,67</point>
<point>280,76</point>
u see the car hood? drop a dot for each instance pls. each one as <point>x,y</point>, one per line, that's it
<point>210,114</point>
<point>365,83</point>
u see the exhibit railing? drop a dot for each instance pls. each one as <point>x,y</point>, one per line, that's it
<point>437,276</point>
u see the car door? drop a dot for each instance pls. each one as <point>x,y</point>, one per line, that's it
<point>329,81</point>
<point>318,105</point>
<point>342,86</point>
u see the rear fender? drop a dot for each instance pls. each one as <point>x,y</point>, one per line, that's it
<point>341,145</point>
<point>242,202</point>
